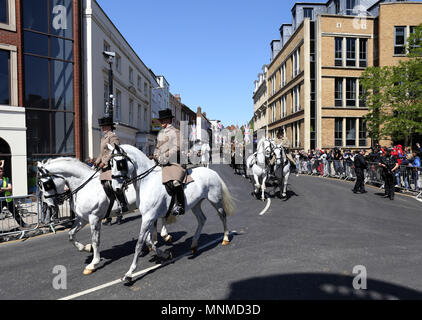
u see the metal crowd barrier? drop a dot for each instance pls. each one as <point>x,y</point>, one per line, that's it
<point>407,178</point>
<point>22,215</point>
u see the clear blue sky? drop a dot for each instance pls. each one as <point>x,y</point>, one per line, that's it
<point>210,51</point>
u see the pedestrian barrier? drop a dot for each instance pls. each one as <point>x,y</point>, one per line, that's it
<point>22,215</point>
<point>408,178</point>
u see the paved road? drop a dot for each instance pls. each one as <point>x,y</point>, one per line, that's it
<point>304,248</point>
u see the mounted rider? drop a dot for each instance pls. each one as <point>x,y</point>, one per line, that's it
<point>103,162</point>
<point>285,143</point>
<point>167,155</point>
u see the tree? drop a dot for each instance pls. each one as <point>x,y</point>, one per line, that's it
<point>375,82</point>
<point>394,95</point>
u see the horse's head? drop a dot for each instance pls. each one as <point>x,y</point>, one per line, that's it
<point>278,152</point>
<point>267,148</point>
<point>122,168</point>
<point>51,187</point>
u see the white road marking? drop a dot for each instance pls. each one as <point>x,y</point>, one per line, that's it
<point>136,274</point>
<point>266,207</point>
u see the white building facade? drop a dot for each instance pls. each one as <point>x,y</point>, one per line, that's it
<point>132,84</point>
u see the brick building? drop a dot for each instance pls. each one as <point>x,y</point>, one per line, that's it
<point>314,94</point>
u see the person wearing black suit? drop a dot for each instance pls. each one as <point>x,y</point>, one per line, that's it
<point>389,164</point>
<point>360,165</point>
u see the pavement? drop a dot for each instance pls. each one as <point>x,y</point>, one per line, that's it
<point>307,247</point>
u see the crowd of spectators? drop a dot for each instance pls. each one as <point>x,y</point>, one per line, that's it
<point>339,163</point>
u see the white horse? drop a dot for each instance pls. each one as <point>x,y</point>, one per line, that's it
<point>281,169</point>
<point>153,200</point>
<point>90,204</point>
<point>258,164</point>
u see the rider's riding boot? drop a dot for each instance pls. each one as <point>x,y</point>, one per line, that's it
<point>121,197</point>
<point>179,206</point>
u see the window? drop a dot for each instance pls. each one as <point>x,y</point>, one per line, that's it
<point>118,63</point>
<point>273,112</point>
<point>337,6</point>
<point>338,92</point>
<point>106,46</point>
<point>338,51</point>
<point>350,5</point>
<point>118,105</point>
<point>283,106</point>
<point>4,77</point>
<point>131,120</point>
<point>145,119</point>
<point>363,53</point>
<point>283,74</point>
<point>362,133</point>
<point>351,52</point>
<point>130,75</point>
<point>140,84</point>
<point>351,92</point>
<point>338,132</point>
<point>350,131</point>
<point>145,89</point>
<point>412,29</point>
<point>362,98</point>
<point>308,13</point>
<point>140,116</point>
<point>399,40</point>
<point>4,11</point>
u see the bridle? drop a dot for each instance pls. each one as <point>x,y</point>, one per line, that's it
<point>49,185</point>
<point>122,165</point>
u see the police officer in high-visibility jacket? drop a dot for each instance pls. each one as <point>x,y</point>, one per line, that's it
<point>6,191</point>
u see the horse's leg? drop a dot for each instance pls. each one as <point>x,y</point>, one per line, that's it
<point>147,223</point>
<point>95,223</point>
<point>164,233</point>
<point>263,187</point>
<point>77,226</point>
<point>197,211</point>
<point>218,205</point>
<point>285,181</point>
<point>257,185</point>
<point>155,233</point>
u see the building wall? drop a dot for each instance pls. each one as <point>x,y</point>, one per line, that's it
<point>99,32</point>
<point>298,42</point>
<point>410,15</point>
<point>330,27</point>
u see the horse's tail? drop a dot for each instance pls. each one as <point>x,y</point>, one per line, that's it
<point>229,205</point>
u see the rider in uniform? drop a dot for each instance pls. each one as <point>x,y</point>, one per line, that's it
<point>102,162</point>
<point>167,155</point>
<point>285,143</point>
<point>389,164</point>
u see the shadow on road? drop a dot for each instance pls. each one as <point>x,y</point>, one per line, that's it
<point>182,248</point>
<point>317,286</point>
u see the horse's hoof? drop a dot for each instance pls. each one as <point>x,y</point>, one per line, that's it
<point>168,239</point>
<point>225,243</point>
<point>194,250</point>
<point>88,248</point>
<point>126,279</point>
<point>87,272</point>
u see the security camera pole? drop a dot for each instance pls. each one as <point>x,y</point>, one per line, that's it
<point>110,103</point>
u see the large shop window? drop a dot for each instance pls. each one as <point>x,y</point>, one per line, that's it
<point>4,77</point>
<point>4,11</point>
<point>48,77</point>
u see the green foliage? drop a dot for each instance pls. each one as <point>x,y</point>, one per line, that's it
<point>394,95</point>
